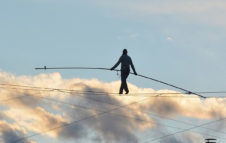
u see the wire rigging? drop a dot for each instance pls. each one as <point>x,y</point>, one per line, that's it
<point>160,116</point>
<point>85,119</point>
<point>84,97</point>
<point>165,136</point>
<point>60,90</point>
<point>98,68</point>
<point>26,87</point>
<point>100,93</point>
<point>82,106</point>
<point>37,88</point>
<point>77,121</point>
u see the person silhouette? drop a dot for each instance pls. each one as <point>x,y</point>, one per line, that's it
<point>126,62</point>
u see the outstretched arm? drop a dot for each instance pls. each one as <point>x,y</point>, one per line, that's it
<point>116,64</point>
<point>133,68</point>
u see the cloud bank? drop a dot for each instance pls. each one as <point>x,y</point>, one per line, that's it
<point>88,110</point>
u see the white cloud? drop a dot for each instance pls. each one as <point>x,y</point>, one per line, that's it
<point>169,38</point>
<point>32,113</point>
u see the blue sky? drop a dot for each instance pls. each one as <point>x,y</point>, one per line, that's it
<point>181,46</point>
<point>177,41</point>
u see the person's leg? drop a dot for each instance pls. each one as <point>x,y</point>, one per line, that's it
<point>123,82</point>
<point>126,87</point>
<point>121,87</point>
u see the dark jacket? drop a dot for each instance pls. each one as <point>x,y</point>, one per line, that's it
<point>126,62</point>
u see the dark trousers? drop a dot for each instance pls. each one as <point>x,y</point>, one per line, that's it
<point>124,75</point>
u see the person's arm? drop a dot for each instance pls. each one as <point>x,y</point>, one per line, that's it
<point>119,61</point>
<point>133,68</point>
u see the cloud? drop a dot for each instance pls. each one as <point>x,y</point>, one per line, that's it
<point>34,116</point>
<point>169,38</point>
<point>51,112</point>
<point>10,133</point>
<point>204,11</point>
<point>77,131</point>
<point>193,107</point>
<point>186,138</point>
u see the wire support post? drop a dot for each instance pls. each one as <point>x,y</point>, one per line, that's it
<point>211,140</point>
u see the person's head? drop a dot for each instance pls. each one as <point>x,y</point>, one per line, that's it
<point>124,52</point>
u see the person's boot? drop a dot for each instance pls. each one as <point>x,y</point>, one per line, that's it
<point>127,91</point>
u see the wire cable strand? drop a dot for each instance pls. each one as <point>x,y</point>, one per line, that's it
<point>88,108</point>
<point>168,135</point>
<point>47,88</point>
<point>77,121</point>
<point>159,116</point>
<point>38,88</point>
<point>148,112</point>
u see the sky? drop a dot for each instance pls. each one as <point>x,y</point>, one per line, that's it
<point>177,41</point>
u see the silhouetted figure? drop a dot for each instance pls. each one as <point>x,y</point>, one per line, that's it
<point>126,62</point>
